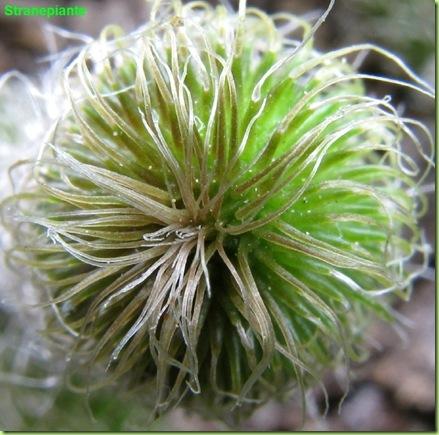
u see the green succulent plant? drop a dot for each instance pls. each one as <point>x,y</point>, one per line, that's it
<point>220,209</point>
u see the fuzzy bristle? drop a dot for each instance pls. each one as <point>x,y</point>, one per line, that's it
<point>221,209</point>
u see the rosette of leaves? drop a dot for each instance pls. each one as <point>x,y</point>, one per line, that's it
<point>220,208</point>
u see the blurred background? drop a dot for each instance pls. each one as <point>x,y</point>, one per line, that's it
<point>395,389</point>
